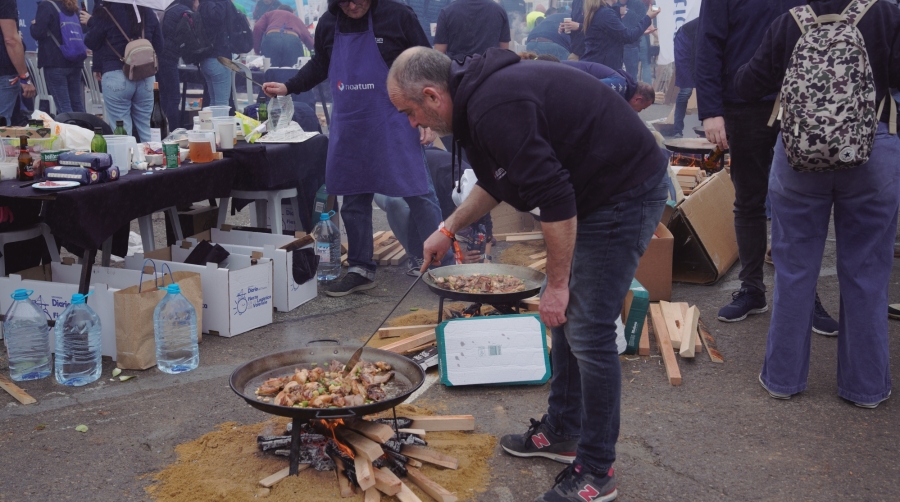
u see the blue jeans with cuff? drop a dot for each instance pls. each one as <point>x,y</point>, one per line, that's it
<point>586,389</point>
<point>218,81</point>
<point>128,101</point>
<point>9,95</point>
<point>67,88</point>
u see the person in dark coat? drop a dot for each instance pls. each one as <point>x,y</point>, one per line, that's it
<point>605,36</point>
<point>685,56</point>
<point>263,6</point>
<point>218,78</point>
<point>547,38</point>
<point>471,27</point>
<point>631,53</point>
<point>63,76</point>
<point>167,76</point>
<point>580,154</point>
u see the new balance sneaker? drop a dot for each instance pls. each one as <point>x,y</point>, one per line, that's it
<point>874,405</point>
<point>539,441</point>
<point>414,266</point>
<point>823,323</point>
<point>576,484</point>
<point>773,394</point>
<point>744,302</point>
<point>350,283</point>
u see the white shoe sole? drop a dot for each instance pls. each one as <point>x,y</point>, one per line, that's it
<point>563,459</point>
<point>873,405</point>
<point>824,333</point>
<point>361,287</point>
<point>754,311</point>
<point>774,395</point>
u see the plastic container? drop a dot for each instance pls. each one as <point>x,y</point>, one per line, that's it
<point>117,147</point>
<point>175,330</point>
<point>35,145</point>
<point>202,145</point>
<point>328,247</point>
<point>27,338</point>
<point>219,110</point>
<point>78,344</point>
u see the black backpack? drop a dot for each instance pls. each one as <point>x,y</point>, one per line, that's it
<point>189,40</point>
<point>240,36</point>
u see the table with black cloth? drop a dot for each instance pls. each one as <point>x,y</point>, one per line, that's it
<point>88,215</point>
<point>280,166</point>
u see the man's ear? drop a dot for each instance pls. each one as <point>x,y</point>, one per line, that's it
<point>433,97</point>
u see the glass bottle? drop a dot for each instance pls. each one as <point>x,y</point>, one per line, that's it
<point>120,129</point>
<point>25,171</point>
<point>98,144</point>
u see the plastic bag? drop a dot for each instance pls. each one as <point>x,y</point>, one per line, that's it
<point>71,136</point>
<point>281,111</point>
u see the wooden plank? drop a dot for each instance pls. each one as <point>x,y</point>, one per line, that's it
<point>373,495</point>
<point>377,235</point>
<point>443,423</point>
<point>389,247</point>
<point>386,482</point>
<point>502,237</point>
<point>404,330</point>
<point>369,449</point>
<point>710,343</point>
<point>431,456</point>
<point>664,343</point>
<point>538,264</point>
<point>381,240</point>
<point>410,342</point>
<point>278,476</point>
<point>399,257</point>
<point>364,476</point>
<point>342,479</point>
<point>523,238</point>
<point>537,256</point>
<point>375,431</point>
<point>420,348</point>
<point>644,343</point>
<point>411,462</point>
<point>387,259</point>
<point>688,349</point>
<point>434,490</point>
<point>407,495</point>
<point>15,391</point>
<point>698,346</point>
<point>674,320</point>
<point>532,304</point>
<point>417,432</point>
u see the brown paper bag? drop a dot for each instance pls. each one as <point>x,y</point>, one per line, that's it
<point>134,306</point>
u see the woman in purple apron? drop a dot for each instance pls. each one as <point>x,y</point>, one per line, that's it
<point>371,148</point>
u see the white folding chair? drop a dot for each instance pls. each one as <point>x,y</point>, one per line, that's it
<point>40,85</point>
<point>41,229</point>
<point>93,94</point>
<point>250,95</point>
<point>268,203</point>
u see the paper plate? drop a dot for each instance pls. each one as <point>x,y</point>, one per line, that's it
<point>56,185</point>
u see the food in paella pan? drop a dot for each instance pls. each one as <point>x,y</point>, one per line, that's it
<point>329,388</point>
<point>481,283</point>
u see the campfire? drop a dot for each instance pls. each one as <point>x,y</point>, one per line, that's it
<point>369,455</point>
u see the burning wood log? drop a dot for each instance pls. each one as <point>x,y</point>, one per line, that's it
<point>375,431</point>
<point>364,477</point>
<point>370,450</point>
<point>343,480</point>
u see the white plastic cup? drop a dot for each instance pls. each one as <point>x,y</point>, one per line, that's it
<point>117,147</point>
<point>226,135</point>
<point>206,120</point>
<point>567,20</point>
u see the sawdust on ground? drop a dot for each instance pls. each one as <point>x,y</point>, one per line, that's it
<point>518,253</point>
<point>227,465</point>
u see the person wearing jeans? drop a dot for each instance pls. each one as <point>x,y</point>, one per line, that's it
<point>685,55</point>
<point>218,81</point>
<point>218,78</point>
<point>280,36</point>
<point>128,101</point>
<point>14,77</point>
<point>63,76</point>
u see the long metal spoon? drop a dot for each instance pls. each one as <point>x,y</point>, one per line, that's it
<point>227,63</point>
<point>358,354</point>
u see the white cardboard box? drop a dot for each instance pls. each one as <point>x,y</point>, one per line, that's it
<point>288,294</point>
<point>237,295</point>
<point>509,349</point>
<point>54,297</point>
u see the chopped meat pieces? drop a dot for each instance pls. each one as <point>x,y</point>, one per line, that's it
<point>481,284</point>
<point>332,388</point>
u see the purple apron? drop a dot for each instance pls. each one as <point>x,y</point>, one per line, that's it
<point>371,148</point>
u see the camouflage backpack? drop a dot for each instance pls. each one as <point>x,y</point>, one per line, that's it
<point>827,99</point>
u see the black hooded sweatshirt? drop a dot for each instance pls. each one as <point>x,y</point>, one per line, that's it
<point>542,134</point>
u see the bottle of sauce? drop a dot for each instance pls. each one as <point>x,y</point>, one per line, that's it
<point>120,129</point>
<point>263,112</point>
<point>98,143</point>
<point>25,171</point>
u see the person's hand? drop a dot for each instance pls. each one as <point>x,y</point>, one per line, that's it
<point>653,11</point>
<point>554,302</point>
<point>426,135</point>
<point>434,249</point>
<point>273,89</point>
<point>715,131</point>
<point>28,90</point>
<point>650,29</point>
<point>98,76</point>
<point>472,256</point>
<point>84,17</point>
<point>568,25</point>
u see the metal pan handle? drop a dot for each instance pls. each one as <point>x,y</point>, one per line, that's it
<point>338,414</point>
<point>323,340</point>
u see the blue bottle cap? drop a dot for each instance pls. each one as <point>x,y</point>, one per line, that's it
<point>326,216</point>
<point>173,289</point>
<point>21,294</point>
<point>77,299</point>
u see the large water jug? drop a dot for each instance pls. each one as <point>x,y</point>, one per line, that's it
<point>27,338</point>
<point>78,344</point>
<point>328,247</point>
<point>175,329</point>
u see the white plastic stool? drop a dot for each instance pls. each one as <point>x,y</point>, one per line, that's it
<point>145,223</point>
<point>263,198</point>
<point>24,235</point>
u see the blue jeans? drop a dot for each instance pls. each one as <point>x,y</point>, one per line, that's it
<point>631,56</point>
<point>548,48</point>
<point>170,91</point>
<point>865,201</point>
<point>586,388</point>
<point>681,103</point>
<point>9,95</point>
<point>281,48</point>
<point>218,81</point>
<point>646,65</point>
<point>128,101</point>
<point>67,88</point>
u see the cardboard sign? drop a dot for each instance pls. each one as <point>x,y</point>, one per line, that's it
<point>654,271</point>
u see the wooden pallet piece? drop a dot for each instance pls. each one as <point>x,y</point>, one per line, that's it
<point>388,248</point>
<point>411,342</point>
<point>417,432</point>
<point>644,343</point>
<point>364,477</point>
<point>373,495</point>
<point>397,258</point>
<point>387,259</point>
<point>411,462</point>
<point>420,348</point>
<point>538,264</point>
<point>434,490</point>
<point>346,488</point>
<point>688,348</point>
<point>407,495</point>
<point>375,431</point>
<point>386,482</point>
<point>431,456</point>
<point>270,481</point>
<point>377,235</point>
<point>443,423</point>
<point>532,304</point>
<point>365,447</point>
<point>15,391</point>
<point>503,237</point>
<point>674,321</point>
<point>404,330</point>
<point>710,343</point>
<point>698,345</point>
<point>537,256</point>
<point>664,343</point>
<point>381,240</point>
<point>523,238</point>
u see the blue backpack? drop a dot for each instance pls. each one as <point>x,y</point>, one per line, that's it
<point>72,46</point>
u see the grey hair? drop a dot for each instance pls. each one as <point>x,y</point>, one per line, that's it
<point>418,68</point>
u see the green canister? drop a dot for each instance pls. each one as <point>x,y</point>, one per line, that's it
<point>171,155</point>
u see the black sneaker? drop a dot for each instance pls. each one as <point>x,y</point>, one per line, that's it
<point>744,302</point>
<point>894,311</point>
<point>823,324</point>
<point>414,266</point>
<point>350,283</point>
<point>538,441</point>
<point>578,485</point>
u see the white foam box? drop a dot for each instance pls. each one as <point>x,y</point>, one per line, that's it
<point>288,295</point>
<point>54,297</point>
<point>509,349</point>
<point>237,294</point>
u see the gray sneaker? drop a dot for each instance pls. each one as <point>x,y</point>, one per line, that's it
<point>350,283</point>
<point>414,265</point>
<point>874,405</point>
<point>773,394</point>
<point>539,441</point>
<point>575,484</point>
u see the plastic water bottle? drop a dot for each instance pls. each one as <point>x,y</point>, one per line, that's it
<point>27,338</point>
<point>175,330</point>
<point>78,344</point>
<point>328,247</point>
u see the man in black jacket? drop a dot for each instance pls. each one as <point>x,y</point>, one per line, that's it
<point>579,153</point>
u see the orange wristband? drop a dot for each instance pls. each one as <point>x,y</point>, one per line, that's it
<point>446,232</point>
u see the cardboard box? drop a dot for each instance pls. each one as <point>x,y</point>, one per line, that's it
<point>288,295</point>
<point>193,221</point>
<point>506,220</point>
<point>509,349</point>
<point>634,311</point>
<point>705,245</point>
<point>29,132</point>
<point>654,271</point>
<point>237,294</point>
<point>54,297</point>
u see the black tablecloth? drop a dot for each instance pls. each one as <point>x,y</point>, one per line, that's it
<point>88,215</point>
